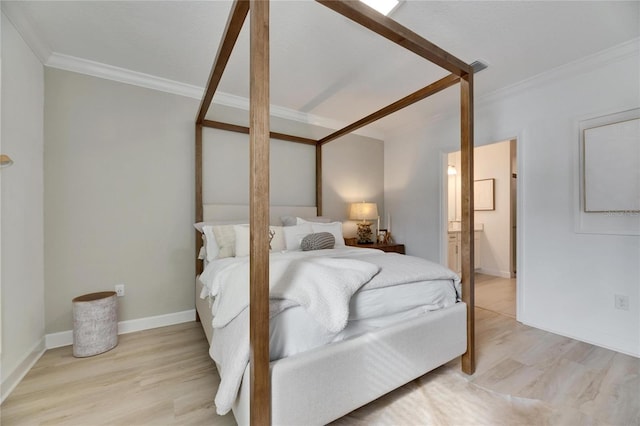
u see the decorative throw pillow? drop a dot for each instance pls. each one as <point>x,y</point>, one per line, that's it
<point>210,244</point>
<point>277,242</point>
<point>242,239</point>
<point>319,241</point>
<point>200,225</point>
<point>226,239</point>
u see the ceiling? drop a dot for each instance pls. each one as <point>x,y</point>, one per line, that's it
<point>323,64</point>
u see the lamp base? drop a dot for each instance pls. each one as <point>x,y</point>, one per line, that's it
<point>364,233</point>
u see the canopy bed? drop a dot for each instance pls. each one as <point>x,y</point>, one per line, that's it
<point>326,382</point>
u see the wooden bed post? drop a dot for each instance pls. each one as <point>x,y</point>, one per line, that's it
<point>419,95</point>
<point>199,207</point>
<point>260,407</point>
<point>466,146</point>
<point>319,179</point>
<point>199,212</point>
<point>232,30</point>
<point>259,133</point>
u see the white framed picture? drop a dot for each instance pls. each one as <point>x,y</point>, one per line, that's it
<point>611,156</point>
<point>484,194</point>
<point>607,174</point>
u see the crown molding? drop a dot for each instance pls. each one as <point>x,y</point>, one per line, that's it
<point>122,75</point>
<point>570,69</point>
<point>47,57</point>
<point>27,30</point>
<point>233,101</point>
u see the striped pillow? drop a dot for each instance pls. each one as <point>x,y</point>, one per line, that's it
<point>319,241</point>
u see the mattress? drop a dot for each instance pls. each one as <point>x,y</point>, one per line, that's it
<point>400,289</point>
<point>294,331</point>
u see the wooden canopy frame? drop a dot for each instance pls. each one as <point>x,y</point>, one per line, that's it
<point>259,135</point>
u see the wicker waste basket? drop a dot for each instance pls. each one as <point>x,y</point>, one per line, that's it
<point>95,323</point>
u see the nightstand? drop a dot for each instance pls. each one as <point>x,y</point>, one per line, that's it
<point>389,248</point>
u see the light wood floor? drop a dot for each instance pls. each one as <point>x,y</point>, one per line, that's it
<point>496,294</point>
<point>164,376</point>
<point>160,376</point>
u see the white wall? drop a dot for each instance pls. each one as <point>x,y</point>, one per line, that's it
<point>566,280</point>
<point>493,162</point>
<point>22,263</point>
<point>119,198</point>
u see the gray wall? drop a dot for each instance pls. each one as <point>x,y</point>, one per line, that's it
<point>225,172</point>
<point>119,181</point>
<point>21,262</point>
<point>353,170</point>
<point>119,203</point>
<point>352,167</point>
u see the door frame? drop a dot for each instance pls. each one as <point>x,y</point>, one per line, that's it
<point>520,214</point>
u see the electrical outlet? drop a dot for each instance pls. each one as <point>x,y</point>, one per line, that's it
<point>621,302</point>
<point>120,290</point>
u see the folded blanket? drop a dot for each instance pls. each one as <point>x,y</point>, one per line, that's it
<point>322,286</point>
<point>396,269</point>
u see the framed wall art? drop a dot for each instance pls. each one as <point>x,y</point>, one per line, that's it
<point>484,197</point>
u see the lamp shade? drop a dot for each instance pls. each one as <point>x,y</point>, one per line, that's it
<point>5,161</point>
<point>363,211</point>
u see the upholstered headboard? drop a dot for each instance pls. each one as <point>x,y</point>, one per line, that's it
<point>233,212</point>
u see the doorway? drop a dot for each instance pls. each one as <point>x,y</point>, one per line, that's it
<point>495,233</point>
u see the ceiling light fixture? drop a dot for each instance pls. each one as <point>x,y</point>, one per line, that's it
<point>383,6</point>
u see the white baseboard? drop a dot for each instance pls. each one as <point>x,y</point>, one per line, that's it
<point>65,338</point>
<point>494,272</point>
<point>12,380</point>
<point>57,340</point>
<point>626,351</point>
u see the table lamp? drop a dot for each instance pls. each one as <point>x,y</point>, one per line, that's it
<point>364,212</point>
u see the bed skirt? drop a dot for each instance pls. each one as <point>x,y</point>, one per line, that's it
<point>326,383</point>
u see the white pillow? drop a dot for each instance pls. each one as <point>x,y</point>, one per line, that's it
<point>202,254</point>
<point>242,244</point>
<point>220,246</point>
<point>210,244</point>
<point>334,228</point>
<point>293,235</point>
<point>288,220</point>
<point>226,239</point>
<point>200,225</point>
<point>242,240</point>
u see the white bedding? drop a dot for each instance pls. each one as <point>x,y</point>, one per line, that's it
<point>316,310</point>
<point>294,331</point>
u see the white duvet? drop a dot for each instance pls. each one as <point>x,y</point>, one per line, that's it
<point>322,282</point>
